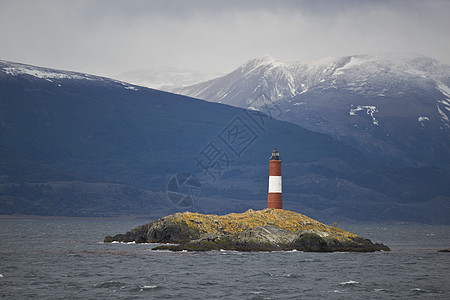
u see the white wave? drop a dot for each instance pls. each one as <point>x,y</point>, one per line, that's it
<point>255,292</point>
<point>286,251</point>
<point>144,287</point>
<point>1,275</point>
<point>160,251</point>
<point>231,252</point>
<point>350,282</point>
<point>125,243</point>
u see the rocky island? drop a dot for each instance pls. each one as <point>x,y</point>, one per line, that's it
<point>262,230</point>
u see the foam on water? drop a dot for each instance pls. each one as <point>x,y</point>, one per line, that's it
<point>124,243</point>
<point>350,282</point>
<point>147,287</point>
<point>230,252</point>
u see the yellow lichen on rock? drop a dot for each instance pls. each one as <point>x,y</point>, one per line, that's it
<point>238,222</point>
<point>262,230</point>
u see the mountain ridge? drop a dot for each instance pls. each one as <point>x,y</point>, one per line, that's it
<point>76,145</point>
<point>390,106</point>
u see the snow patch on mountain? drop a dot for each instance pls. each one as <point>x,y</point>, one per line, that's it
<point>446,103</point>
<point>423,120</point>
<point>127,85</point>
<point>131,88</point>
<point>42,73</point>
<point>444,89</point>
<point>370,110</point>
<point>354,62</point>
<point>443,115</point>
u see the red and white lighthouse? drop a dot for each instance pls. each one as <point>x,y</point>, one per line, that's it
<point>274,200</point>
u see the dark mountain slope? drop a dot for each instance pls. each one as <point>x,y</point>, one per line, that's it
<point>76,144</point>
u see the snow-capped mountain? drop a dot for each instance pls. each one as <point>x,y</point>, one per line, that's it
<point>57,76</point>
<point>166,79</point>
<point>391,106</point>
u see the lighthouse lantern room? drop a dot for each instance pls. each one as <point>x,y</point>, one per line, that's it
<point>274,200</point>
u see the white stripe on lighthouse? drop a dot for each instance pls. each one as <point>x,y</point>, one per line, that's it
<point>274,184</point>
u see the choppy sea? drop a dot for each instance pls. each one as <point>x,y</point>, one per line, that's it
<point>66,258</point>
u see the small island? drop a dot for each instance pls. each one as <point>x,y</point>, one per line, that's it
<point>271,229</point>
<point>263,230</point>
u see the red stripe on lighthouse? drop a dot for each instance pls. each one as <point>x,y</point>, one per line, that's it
<point>275,185</point>
<point>274,167</point>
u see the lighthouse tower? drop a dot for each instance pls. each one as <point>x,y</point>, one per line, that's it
<point>274,200</point>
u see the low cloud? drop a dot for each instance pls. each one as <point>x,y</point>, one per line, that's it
<point>111,37</point>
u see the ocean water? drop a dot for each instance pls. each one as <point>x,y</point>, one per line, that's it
<point>60,259</point>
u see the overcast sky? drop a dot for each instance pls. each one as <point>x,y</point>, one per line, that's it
<point>107,37</point>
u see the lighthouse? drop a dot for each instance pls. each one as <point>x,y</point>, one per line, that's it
<point>274,199</point>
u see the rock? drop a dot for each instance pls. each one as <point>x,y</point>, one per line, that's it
<point>264,230</point>
<point>269,234</point>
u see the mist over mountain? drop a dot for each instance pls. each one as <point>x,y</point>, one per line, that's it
<point>390,106</point>
<point>165,79</point>
<point>73,144</point>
